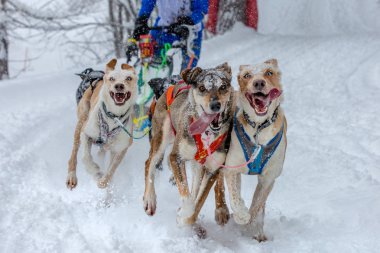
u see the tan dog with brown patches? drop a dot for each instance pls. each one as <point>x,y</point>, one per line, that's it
<point>258,141</point>
<point>104,116</point>
<point>204,108</point>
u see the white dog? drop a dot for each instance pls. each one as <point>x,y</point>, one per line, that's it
<point>258,141</point>
<point>105,118</point>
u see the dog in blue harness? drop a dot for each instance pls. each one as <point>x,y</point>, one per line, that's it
<point>258,141</point>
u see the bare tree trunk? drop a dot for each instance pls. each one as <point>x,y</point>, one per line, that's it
<point>230,12</point>
<point>4,43</point>
<point>112,9</point>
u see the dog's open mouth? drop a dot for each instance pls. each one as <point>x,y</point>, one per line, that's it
<point>200,125</point>
<point>260,101</point>
<point>120,98</point>
<point>215,123</point>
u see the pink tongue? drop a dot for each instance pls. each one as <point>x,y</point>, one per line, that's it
<point>274,93</point>
<point>262,102</point>
<point>200,125</point>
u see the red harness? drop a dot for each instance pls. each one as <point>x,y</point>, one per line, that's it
<point>201,154</point>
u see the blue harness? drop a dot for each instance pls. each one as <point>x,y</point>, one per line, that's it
<point>264,153</point>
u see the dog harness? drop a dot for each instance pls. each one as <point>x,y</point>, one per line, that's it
<point>202,151</point>
<point>264,152</point>
<point>170,97</point>
<point>105,133</point>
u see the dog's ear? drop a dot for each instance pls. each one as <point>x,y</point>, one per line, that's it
<point>226,69</point>
<point>126,66</point>
<point>111,65</point>
<point>272,62</point>
<point>190,75</point>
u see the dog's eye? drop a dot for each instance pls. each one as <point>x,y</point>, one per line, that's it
<point>202,88</point>
<point>128,78</point>
<point>223,87</point>
<point>247,75</point>
<point>112,79</point>
<point>269,73</point>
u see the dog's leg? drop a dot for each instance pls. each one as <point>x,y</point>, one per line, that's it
<point>222,214</point>
<point>91,167</point>
<point>204,189</point>
<point>198,173</point>
<point>72,181</point>
<point>241,213</point>
<point>179,172</point>
<point>116,158</point>
<point>157,149</point>
<point>257,209</point>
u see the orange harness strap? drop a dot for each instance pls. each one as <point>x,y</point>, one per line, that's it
<point>170,97</point>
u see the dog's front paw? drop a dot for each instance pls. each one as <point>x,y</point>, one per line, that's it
<point>222,215</point>
<point>150,204</point>
<point>71,181</point>
<point>185,212</point>
<point>200,231</point>
<point>242,217</point>
<point>102,182</point>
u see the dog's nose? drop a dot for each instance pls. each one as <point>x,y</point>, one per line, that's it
<point>215,106</point>
<point>259,84</point>
<point>119,87</point>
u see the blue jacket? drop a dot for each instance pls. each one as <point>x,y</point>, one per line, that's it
<point>198,8</point>
<point>168,12</point>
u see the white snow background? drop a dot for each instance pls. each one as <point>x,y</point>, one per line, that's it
<point>326,200</point>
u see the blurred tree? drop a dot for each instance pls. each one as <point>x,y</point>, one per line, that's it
<point>4,69</point>
<point>230,12</point>
<point>91,33</point>
<point>223,14</point>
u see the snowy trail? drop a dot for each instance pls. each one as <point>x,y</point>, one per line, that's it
<point>327,199</point>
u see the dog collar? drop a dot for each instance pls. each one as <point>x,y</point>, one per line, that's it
<point>112,115</point>
<point>263,125</point>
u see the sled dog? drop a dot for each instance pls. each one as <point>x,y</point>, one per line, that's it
<point>105,114</point>
<point>258,141</point>
<point>185,115</point>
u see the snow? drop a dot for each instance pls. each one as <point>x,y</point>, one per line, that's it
<point>326,200</point>
<point>322,17</point>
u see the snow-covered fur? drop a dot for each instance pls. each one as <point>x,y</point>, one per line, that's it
<point>113,97</point>
<point>254,81</point>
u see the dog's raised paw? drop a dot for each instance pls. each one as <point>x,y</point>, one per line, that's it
<point>222,215</point>
<point>71,181</point>
<point>242,217</point>
<point>260,238</point>
<point>150,205</point>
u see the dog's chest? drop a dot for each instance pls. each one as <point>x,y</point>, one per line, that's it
<point>187,149</point>
<point>191,150</point>
<point>257,156</point>
<point>105,132</point>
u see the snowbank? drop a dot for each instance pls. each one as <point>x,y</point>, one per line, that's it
<point>319,17</point>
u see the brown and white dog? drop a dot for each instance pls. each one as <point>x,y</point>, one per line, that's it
<point>105,118</point>
<point>258,140</point>
<point>204,107</point>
